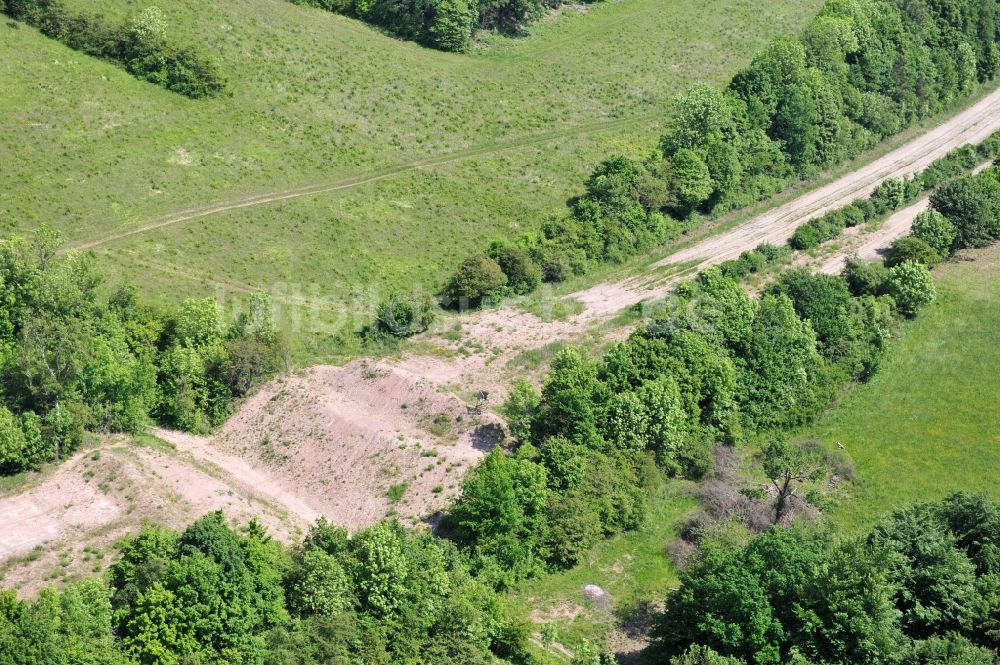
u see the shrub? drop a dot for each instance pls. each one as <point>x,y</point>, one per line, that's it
<point>805,237</point>
<point>889,195</point>
<point>911,248</point>
<point>955,163</point>
<point>912,287</point>
<point>853,215</point>
<point>773,253</point>
<point>868,209</point>
<point>990,148</point>
<point>934,229</point>
<point>520,409</point>
<point>972,204</point>
<point>477,277</point>
<point>452,25</point>
<point>523,274</point>
<point>817,231</point>
<point>400,316</point>
<point>142,46</point>
<point>247,362</point>
<point>864,278</point>
<point>21,445</point>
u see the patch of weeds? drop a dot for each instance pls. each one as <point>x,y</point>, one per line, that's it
<point>268,452</point>
<point>532,359</point>
<point>454,334</point>
<point>437,489</point>
<point>440,426</point>
<point>554,310</point>
<point>396,492</point>
<point>154,442</point>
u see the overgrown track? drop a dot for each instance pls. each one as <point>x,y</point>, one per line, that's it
<point>366,178</point>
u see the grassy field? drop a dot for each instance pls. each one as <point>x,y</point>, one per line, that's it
<point>510,132</point>
<point>929,422</point>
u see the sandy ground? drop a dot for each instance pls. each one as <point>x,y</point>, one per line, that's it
<point>65,523</point>
<point>340,437</point>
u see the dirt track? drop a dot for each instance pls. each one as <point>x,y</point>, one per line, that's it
<point>366,178</point>
<point>970,126</point>
<point>509,331</point>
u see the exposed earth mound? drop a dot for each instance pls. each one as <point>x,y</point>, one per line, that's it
<point>357,441</point>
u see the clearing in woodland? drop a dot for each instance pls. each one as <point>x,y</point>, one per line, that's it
<point>926,424</point>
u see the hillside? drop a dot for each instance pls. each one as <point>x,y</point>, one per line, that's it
<point>320,99</point>
<point>729,399</point>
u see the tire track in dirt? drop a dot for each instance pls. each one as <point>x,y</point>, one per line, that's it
<point>366,178</point>
<point>970,126</point>
<point>239,474</point>
<point>509,331</point>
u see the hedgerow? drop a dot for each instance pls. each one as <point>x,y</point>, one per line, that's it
<point>447,25</point>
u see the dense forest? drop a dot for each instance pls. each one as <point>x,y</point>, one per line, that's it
<point>862,71</point>
<point>71,360</point>
<point>213,595</point>
<point>920,587</point>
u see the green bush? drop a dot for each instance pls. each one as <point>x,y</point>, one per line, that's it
<point>864,278</point>
<point>957,162</point>
<point>520,408</point>
<point>447,25</point>
<point>141,46</point>
<point>889,195</point>
<point>478,277</point>
<point>402,316</point>
<point>911,286</point>
<point>853,215</point>
<point>934,229</point>
<point>911,248</point>
<point>523,274</point>
<point>972,205</point>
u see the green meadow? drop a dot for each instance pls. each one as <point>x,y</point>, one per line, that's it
<point>462,148</point>
<point>928,423</point>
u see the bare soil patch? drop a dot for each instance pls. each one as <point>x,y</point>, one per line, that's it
<point>340,438</point>
<point>65,526</point>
